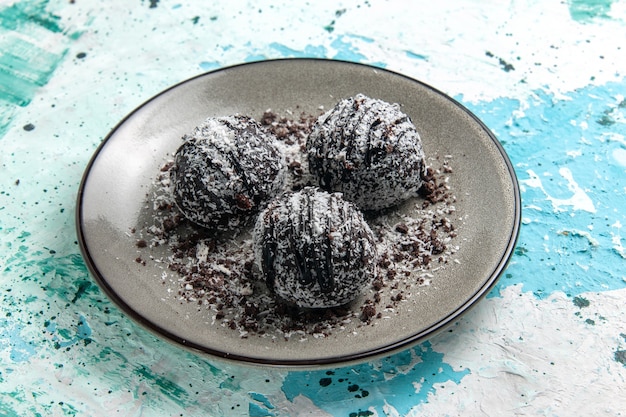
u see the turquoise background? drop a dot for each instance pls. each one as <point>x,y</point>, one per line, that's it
<point>65,349</point>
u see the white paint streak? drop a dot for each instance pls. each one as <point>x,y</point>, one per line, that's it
<point>616,240</point>
<point>620,156</point>
<point>579,200</point>
<point>558,361</point>
<point>390,411</point>
<point>539,45</point>
<point>300,407</point>
<point>612,137</point>
<point>581,233</point>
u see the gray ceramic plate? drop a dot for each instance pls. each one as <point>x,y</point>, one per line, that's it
<point>112,198</point>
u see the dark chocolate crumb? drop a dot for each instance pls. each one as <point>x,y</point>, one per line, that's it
<point>402,228</point>
<point>367,312</point>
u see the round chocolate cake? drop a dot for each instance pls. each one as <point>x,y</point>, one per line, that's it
<point>314,249</point>
<point>225,172</point>
<point>369,150</point>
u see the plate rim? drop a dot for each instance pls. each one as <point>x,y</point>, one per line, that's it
<point>332,361</point>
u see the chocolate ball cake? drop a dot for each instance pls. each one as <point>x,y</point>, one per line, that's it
<point>314,249</point>
<point>225,172</point>
<point>368,150</point>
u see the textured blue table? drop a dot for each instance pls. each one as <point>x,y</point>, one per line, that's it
<point>548,78</point>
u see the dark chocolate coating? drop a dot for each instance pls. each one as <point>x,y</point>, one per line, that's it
<point>225,172</point>
<point>315,249</point>
<point>368,150</point>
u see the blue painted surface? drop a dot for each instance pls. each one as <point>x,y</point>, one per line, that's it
<point>25,65</point>
<point>255,410</point>
<point>346,390</point>
<point>346,51</point>
<point>417,56</point>
<point>564,248</point>
<point>209,65</point>
<point>262,399</point>
<point>20,348</point>
<point>308,52</point>
<point>585,11</point>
